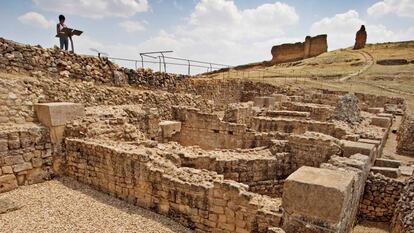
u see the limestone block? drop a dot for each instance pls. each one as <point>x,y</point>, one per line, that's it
<point>350,148</point>
<point>383,122</point>
<point>387,163</point>
<point>264,101</point>
<point>387,171</point>
<point>375,110</point>
<point>370,141</point>
<point>317,194</point>
<point>7,183</point>
<point>57,114</point>
<point>169,128</point>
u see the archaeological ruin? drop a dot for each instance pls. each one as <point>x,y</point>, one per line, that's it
<point>215,155</point>
<point>311,47</point>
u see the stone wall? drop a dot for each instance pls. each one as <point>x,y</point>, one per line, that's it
<point>267,124</point>
<point>311,149</point>
<point>317,112</point>
<point>25,156</point>
<point>404,213</point>
<point>405,134</point>
<point>197,199</point>
<point>313,46</point>
<point>380,198</point>
<point>19,95</point>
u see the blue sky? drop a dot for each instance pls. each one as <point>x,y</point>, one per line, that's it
<point>222,31</point>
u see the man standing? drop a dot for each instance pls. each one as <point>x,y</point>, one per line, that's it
<point>64,42</point>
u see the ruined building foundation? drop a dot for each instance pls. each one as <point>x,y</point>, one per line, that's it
<point>213,155</point>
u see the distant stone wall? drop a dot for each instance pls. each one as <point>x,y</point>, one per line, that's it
<point>380,198</point>
<point>313,46</point>
<point>26,156</point>
<point>405,134</point>
<point>198,199</point>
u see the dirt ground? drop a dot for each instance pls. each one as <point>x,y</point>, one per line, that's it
<point>65,205</point>
<point>371,227</point>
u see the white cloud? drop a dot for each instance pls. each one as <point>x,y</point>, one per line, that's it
<point>95,8</point>
<point>341,30</point>
<point>218,31</point>
<point>35,19</point>
<point>403,8</point>
<point>132,26</point>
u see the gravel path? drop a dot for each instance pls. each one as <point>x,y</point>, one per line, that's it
<point>65,205</point>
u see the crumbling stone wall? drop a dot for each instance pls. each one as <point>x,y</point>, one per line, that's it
<point>208,131</point>
<point>25,156</point>
<point>317,112</point>
<point>311,149</point>
<point>313,46</point>
<point>404,213</point>
<point>266,124</point>
<point>197,199</point>
<point>19,95</point>
<point>380,198</point>
<point>405,134</point>
<point>35,60</point>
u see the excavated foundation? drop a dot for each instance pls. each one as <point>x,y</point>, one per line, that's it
<point>213,155</point>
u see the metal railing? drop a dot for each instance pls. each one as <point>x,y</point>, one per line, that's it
<point>162,62</point>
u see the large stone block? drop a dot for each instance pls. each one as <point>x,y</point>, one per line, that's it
<point>351,148</point>
<point>383,122</point>
<point>264,101</point>
<point>7,183</point>
<point>57,114</point>
<point>317,195</point>
<point>169,128</point>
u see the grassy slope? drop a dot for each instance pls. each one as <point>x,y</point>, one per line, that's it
<point>323,71</point>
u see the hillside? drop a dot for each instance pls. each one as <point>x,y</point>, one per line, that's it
<point>343,69</point>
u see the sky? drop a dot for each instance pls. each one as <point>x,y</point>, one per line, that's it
<point>219,31</point>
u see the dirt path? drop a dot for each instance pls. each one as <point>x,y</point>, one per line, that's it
<point>369,61</point>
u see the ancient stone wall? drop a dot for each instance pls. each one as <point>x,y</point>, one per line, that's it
<point>19,58</point>
<point>197,199</point>
<point>404,213</point>
<point>313,46</point>
<point>19,95</point>
<point>25,156</point>
<point>380,198</point>
<point>317,112</point>
<point>311,149</point>
<point>266,124</point>
<point>405,134</point>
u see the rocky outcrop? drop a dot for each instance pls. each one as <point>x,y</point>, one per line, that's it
<point>313,46</point>
<point>347,109</point>
<point>360,38</point>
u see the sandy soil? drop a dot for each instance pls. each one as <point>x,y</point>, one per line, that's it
<point>65,205</point>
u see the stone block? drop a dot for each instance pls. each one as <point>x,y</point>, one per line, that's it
<point>57,114</point>
<point>169,128</point>
<point>22,167</point>
<point>275,230</point>
<point>350,148</point>
<point>321,195</point>
<point>370,141</point>
<point>387,171</point>
<point>375,110</point>
<point>264,101</point>
<point>383,122</point>
<point>387,163</point>
<point>7,183</point>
